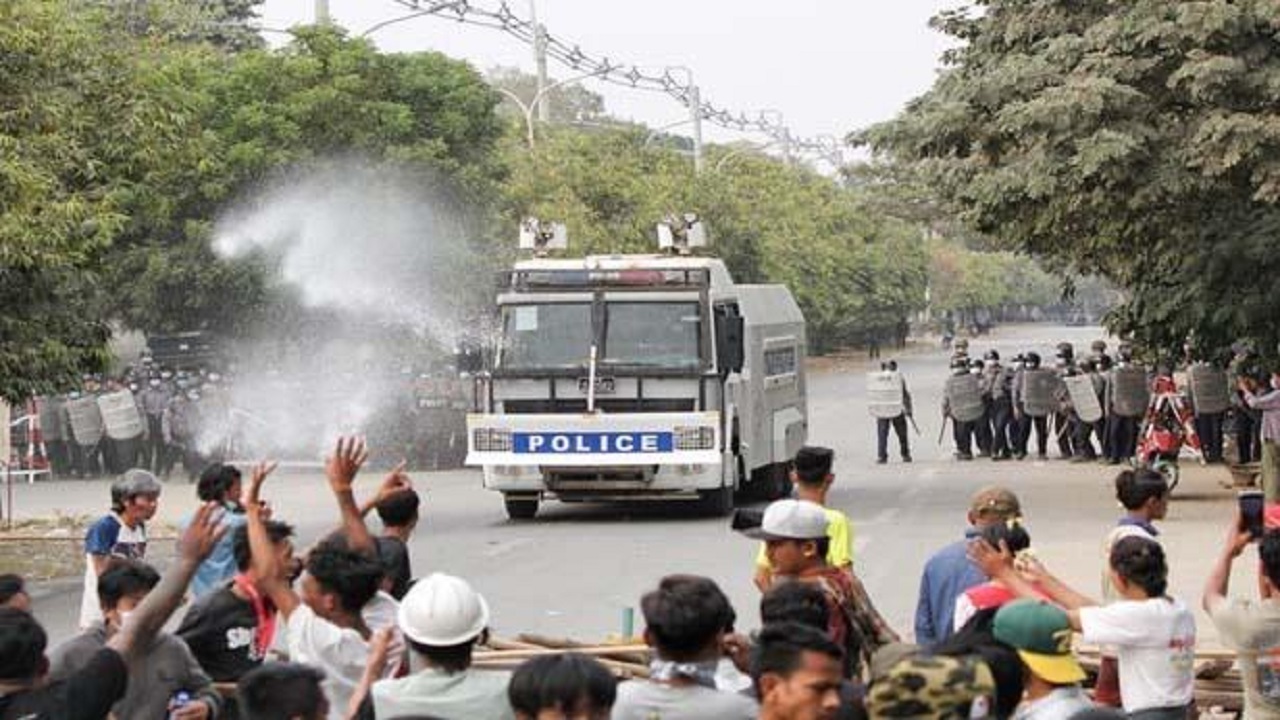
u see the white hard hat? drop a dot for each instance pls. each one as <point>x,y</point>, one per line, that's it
<point>442,610</point>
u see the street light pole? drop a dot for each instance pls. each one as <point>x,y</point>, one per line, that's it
<point>539,59</point>
<point>322,12</point>
<point>536,102</point>
<point>694,101</point>
<point>695,116</point>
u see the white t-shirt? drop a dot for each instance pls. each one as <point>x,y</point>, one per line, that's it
<point>1155,643</point>
<point>340,652</point>
<point>383,612</point>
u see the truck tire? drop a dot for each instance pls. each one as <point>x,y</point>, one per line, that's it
<point>717,502</point>
<point>520,507</point>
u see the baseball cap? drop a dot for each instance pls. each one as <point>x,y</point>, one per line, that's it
<point>790,520</point>
<point>1041,634</point>
<point>934,688</point>
<point>995,501</point>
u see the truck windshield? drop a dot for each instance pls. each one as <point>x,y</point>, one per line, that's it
<point>653,334</point>
<point>546,336</point>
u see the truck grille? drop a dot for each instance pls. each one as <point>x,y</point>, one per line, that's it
<point>491,440</point>
<point>608,405</point>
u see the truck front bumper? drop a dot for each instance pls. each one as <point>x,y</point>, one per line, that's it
<point>597,455</point>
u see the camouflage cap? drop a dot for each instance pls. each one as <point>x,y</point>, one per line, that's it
<point>936,688</point>
<point>994,501</point>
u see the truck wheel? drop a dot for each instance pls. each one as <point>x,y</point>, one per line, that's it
<point>717,502</point>
<point>519,507</point>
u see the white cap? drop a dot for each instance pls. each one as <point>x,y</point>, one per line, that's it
<point>791,520</point>
<point>442,610</point>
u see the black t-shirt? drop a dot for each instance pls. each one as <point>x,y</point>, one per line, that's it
<point>87,694</point>
<point>220,629</point>
<point>394,556</point>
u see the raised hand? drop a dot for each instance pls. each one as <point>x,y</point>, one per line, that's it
<point>202,534</point>
<point>342,466</point>
<point>253,497</point>
<point>396,481</point>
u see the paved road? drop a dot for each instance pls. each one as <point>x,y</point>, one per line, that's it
<point>573,570</point>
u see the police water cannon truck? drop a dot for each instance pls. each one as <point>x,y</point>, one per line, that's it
<point>636,377</point>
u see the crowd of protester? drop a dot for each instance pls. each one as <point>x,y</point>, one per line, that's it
<point>344,631</point>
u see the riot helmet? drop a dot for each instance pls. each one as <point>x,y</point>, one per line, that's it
<point>892,365</point>
<point>1033,360</point>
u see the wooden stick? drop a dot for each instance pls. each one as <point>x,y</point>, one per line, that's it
<point>526,653</point>
<point>641,656</point>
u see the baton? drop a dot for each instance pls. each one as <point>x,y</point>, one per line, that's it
<point>912,418</point>
<point>942,430</point>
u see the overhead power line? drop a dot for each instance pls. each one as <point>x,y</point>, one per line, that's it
<point>629,75</point>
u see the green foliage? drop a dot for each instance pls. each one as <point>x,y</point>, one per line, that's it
<point>245,118</point>
<point>60,204</point>
<point>852,272</point>
<point>1134,140</point>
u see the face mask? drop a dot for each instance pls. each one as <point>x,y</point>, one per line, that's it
<point>154,383</point>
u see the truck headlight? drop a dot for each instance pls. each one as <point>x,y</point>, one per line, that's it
<point>701,437</point>
<point>491,440</point>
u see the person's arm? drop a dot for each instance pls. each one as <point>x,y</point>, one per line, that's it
<point>1269,401</point>
<point>998,565</point>
<point>195,544</point>
<point>374,668</point>
<point>926,634</point>
<point>205,703</point>
<point>1215,588</point>
<point>341,468</point>
<point>396,481</point>
<point>260,549</point>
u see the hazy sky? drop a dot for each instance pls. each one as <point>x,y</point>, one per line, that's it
<point>829,66</point>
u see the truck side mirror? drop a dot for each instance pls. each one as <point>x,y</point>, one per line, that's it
<point>729,340</point>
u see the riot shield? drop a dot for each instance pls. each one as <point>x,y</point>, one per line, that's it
<point>885,394</point>
<point>1083,398</point>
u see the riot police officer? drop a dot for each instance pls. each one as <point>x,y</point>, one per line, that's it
<point>982,426</point>
<point>1064,418</point>
<point>898,422</point>
<point>962,404</point>
<point>997,391</point>
<point>1127,397</point>
<point>1026,422</point>
<point>155,399</point>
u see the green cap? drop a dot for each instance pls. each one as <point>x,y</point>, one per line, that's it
<point>1041,633</point>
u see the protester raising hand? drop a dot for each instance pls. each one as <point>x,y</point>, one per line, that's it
<point>342,467</point>
<point>397,481</point>
<point>344,464</point>
<point>253,502</point>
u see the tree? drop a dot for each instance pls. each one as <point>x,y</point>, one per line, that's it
<point>70,113</point>
<point>251,116</point>
<point>1136,140</point>
<point>851,272</point>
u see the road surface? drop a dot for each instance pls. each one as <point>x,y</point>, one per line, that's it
<point>572,571</point>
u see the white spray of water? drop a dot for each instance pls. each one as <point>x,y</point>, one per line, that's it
<point>378,254</point>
